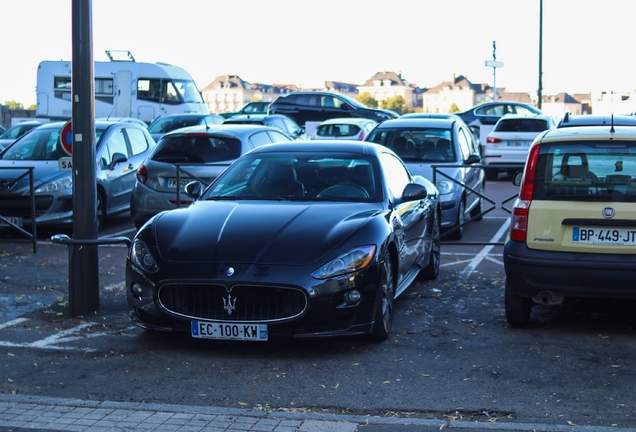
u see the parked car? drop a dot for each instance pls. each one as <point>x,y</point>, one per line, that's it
<point>344,128</point>
<point>16,131</point>
<point>572,227</point>
<point>203,152</point>
<point>510,139</point>
<point>256,107</point>
<point>318,106</point>
<point>424,143</point>
<point>597,120</point>
<point>301,239</point>
<point>282,122</point>
<point>482,118</point>
<point>170,122</point>
<point>121,148</point>
<point>140,122</point>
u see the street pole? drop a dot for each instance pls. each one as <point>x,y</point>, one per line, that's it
<point>494,64</point>
<point>540,90</point>
<point>83,259</point>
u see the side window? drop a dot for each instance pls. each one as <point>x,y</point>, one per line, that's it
<point>138,141</point>
<point>328,101</point>
<point>278,137</point>
<point>395,173</point>
<point>464,144</point>
<point>260,138</point>
<point>148,89</point>
<point>308,99</point>
<point>289,127</point>
<point>116,143</point>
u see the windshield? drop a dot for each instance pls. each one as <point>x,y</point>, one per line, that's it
<point>40,144</point>
<point>417,145</point>
<point>188,91</point>
<point>316,177</point>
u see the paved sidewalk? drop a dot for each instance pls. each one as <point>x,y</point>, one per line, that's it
<point>20,413</point>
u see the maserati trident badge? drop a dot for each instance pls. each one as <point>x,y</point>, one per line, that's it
<point>230,271</point>
<point>230,304</point>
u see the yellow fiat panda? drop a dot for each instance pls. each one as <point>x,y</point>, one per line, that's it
<point>573,226</point>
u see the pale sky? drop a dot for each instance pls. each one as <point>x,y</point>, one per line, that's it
<point>587,44</point>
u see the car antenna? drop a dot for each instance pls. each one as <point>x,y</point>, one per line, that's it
<point>612,127</point>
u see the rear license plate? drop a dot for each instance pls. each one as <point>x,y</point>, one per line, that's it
<point>172,182</point>
<point>224,331</point>
<point>14,220</point>
<point>604,236</point>
<point>519,143</point>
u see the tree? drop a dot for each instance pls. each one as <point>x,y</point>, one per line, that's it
<point>453,108</point>
<point>396,103</point>
<point>368,100</point>
<point>13,105</point>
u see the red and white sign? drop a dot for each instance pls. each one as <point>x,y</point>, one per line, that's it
<point>66,138</point>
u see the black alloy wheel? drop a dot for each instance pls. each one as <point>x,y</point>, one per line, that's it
<point>383,316</point>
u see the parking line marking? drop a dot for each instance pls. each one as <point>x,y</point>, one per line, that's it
<point>484,252</point>
<point>12,323</point>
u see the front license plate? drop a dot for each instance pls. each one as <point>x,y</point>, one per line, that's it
<point>224,331</point>
<point>172,182</point>
<point>14,220</point>
<point>604,236</point>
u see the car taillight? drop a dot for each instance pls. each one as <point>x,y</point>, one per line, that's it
<point>521,207</point>
<point>493,140</point>
<point>142,174</point>
<point>313,135</point>
<point>362,135</point>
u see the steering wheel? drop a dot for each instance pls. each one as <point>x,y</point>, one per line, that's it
<point>344,190</point>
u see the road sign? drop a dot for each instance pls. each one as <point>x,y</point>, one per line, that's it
<point>66,138</point>
<point>65,164</point>
<point>495,64</point>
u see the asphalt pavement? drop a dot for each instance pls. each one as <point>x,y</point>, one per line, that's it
<point>37,283</point>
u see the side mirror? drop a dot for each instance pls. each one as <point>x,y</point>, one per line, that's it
<point>472,159</point>
<point>194,189</point>
<point>516,179</point>
<point>413,192</point>
<point>117,158</point>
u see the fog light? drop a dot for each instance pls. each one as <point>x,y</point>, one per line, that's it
<point>352,296</point>
<point>136,289</point>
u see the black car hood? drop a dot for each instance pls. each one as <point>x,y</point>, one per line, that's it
<point>258,232</point>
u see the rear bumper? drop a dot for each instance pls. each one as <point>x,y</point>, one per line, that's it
<point>531,272</point>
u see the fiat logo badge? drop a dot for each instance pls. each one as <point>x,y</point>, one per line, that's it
<point>230,271</point>
<point>608,212</point>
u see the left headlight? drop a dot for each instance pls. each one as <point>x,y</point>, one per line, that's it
<point>142,258</point>
<point>57,185</point>
<point>354,260</point>
<point>445,186</point>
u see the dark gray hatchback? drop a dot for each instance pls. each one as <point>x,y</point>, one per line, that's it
<point>194,153</point>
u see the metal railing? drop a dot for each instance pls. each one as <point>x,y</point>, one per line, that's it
<point>495,205</point>
<point>179,166</point>
<point>8,184</point>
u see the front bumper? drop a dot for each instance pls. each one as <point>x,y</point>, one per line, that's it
<point>326,312</point>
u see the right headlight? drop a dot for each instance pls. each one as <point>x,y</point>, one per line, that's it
<point>445,186</point>
<point>56,185</point>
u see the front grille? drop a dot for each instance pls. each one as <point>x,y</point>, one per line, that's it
<point>244,303</point>
<point>21,206</point>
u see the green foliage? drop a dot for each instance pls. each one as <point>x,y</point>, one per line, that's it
<point>396,103</point>
<point>31,108</point>
<point>368,100</point>
<point>13,105</point>
<point>453,108</point>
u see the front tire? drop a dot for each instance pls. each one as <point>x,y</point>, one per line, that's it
<point>458,232</point>
<point>518,309</point>
<point>383,315</point>
<point>431,272</point>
